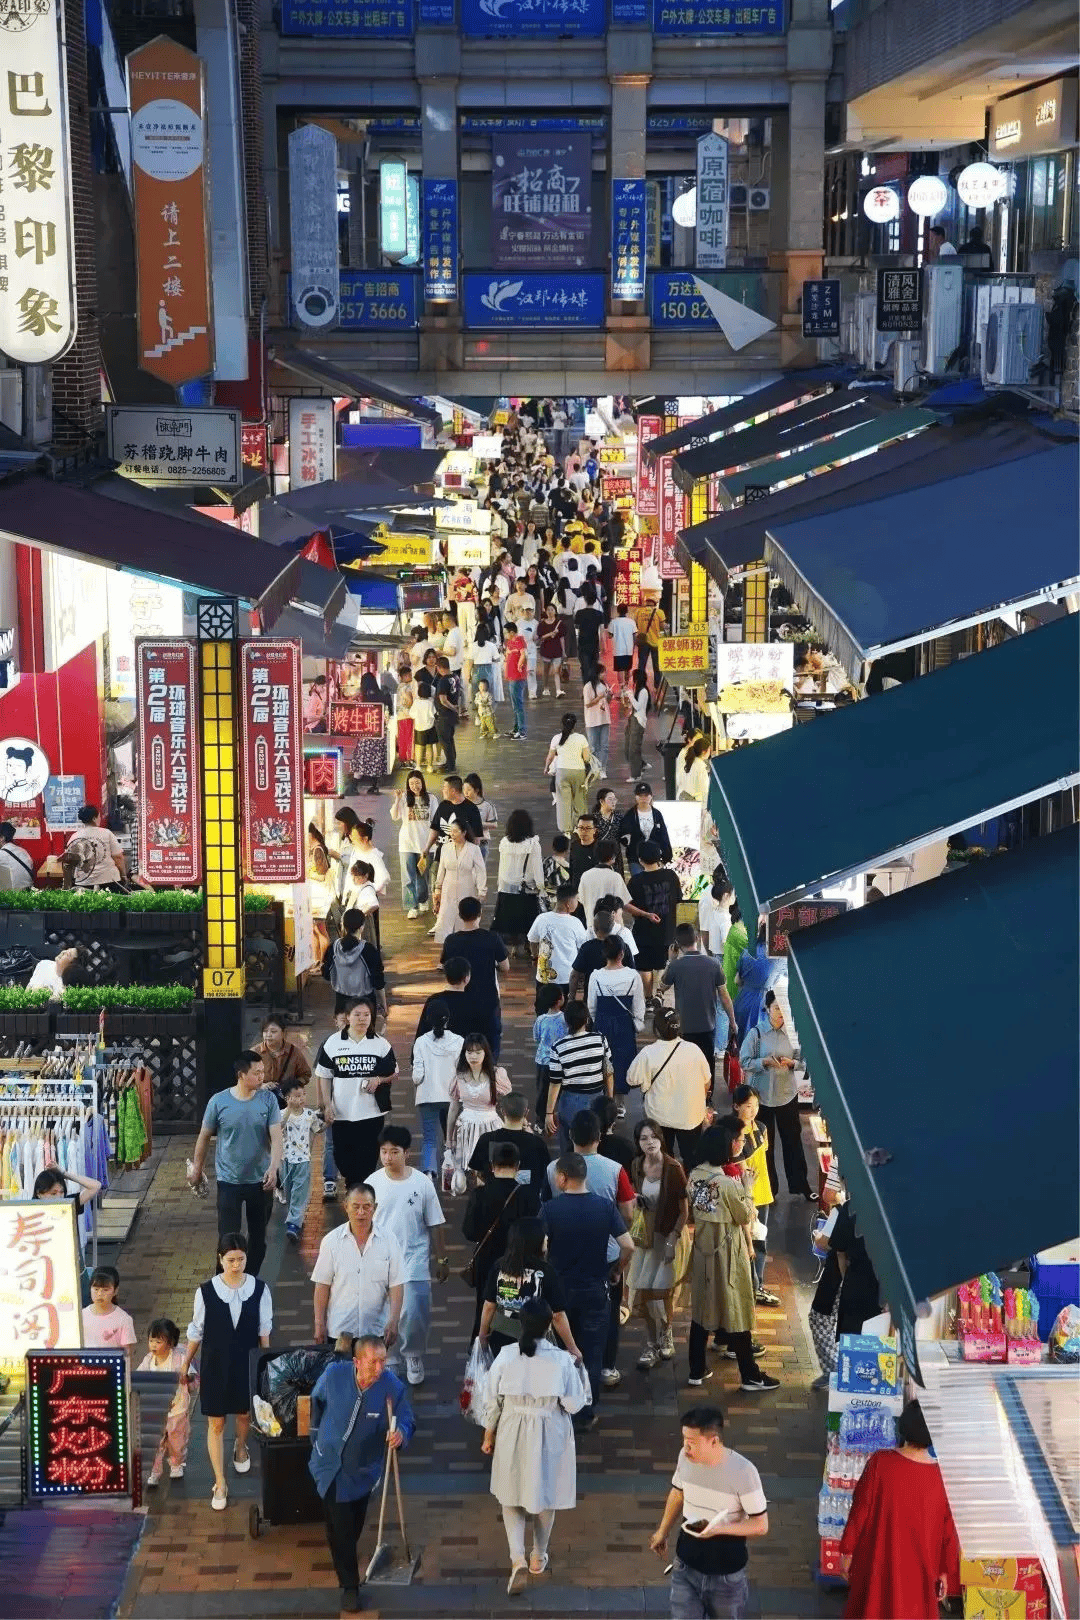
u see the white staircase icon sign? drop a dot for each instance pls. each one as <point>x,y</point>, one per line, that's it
<point>173,342</point>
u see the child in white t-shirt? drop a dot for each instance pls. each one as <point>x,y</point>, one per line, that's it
<point>298,1125</point>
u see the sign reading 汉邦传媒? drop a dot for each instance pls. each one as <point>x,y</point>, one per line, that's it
<point>271,758</point>
<point>541,201</point>
<point>440,239</point>
<point>37,294</point>
<point>160,444</point>
<point>530,299</point>
<point>515,19</point>
<point>315,282</point>
<point>40,1279</point>
<point>311,441</point>
<point>628,231</point>
<point>168,148</point>
<point>79,1426</point>
<point>170,825</point>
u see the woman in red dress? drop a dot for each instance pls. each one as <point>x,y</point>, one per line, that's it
<point>900,1551</point>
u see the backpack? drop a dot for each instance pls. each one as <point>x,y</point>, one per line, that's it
<point>350,976</point>
<point>318,860</point>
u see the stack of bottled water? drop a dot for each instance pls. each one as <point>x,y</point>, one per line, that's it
<point>833,1510</point>
<point>864,1429</point>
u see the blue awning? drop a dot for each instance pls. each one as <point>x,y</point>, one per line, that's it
<point>898,571</point>
<point>902,769</point>
<point>787,430</point>
<point>852,439</point>
<point>924,1021</point>
<point>761,402</point>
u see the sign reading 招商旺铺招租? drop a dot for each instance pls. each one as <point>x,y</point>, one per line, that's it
<point>541,201</point>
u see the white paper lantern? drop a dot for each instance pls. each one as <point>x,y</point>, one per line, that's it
<point>881,205</point>
<point>927,195</point>
<point>684,209</point>
<point>980,185</point>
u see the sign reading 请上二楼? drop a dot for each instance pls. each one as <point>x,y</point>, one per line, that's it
<point>820,309</point>
<point>440,239</point>
<point>541,201</point>
<point>159,445</point>
<point>170,823</point>
<point>628,228</point>
<point>40,1278</point>
<point>534,300</point>
<point>37,294</point>
<point>168,148</point>
<point>311,441</point>
<point>516,19</point>
<point>272,760</point>
<point>711,227</point>
<point>899,300</point>
<point>315,282</point>
<point>79,1424</point>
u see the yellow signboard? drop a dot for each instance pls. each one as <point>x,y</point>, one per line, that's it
<point>753,697</point>
<point>686,655</point>
<point>224,983</point>
<point>40,1302</point>
<point>401,550</point>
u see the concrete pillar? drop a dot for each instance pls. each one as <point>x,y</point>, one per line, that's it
<point>628,345</point>
<point>799,163</point>
<point>438,67</point>
<point>217,44</point>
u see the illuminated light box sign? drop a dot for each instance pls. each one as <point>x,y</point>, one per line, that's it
<point>357,720</point>
<point>361,20</point>
<point>77,1401</point>
<point>324,773</point>
<point>787,920</point>
<point>272,760</point>
<point>534,300</point>
<point>377,301</point>
<point>40,1272</point>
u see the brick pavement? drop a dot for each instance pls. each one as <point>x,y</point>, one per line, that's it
<point>194,1561</point>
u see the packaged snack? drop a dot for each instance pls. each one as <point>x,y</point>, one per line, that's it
<point>868,1364</point>
<point>1006,1574</point>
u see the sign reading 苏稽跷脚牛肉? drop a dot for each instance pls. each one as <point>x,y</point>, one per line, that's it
<point>534,300</point>
<point>163,444</point>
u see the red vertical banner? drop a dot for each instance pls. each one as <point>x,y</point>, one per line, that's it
<point>170,811</point>
<point>272,766</point>
<point>647,499</point>
<point>672,519</point>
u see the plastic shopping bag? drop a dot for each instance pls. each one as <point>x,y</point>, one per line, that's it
<point>474,1383</point>
<point>584,1385</point>
<point>448,1168</point>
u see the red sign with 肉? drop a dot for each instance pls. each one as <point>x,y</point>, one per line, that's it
<point>170,825</point>
<point>272,760</point>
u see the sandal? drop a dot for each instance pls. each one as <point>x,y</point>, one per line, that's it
<point>241,1467</point>
<point>538,1563</point>
<point>518,1577</point>
<point>220,1500</point>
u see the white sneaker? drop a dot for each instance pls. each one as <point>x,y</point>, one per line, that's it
<point>414,1369</point>
<point>412,915</point>
<point>153,1478</point>
<point>610,1376</point>
<point>176,1470</point>
<point>329,1191</point>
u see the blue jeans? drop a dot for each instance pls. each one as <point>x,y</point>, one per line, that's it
<point>589,1311</point>
<point>329,1167</point>
<point>433,1117</point>
<point>517,698</point>
<point>598,745</point>
<point>414,887</point>
<point>707,1597</point>
<point>296,1184</point>
<point>569,1104</point>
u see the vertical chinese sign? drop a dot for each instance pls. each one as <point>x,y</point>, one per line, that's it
<point>712,203</point>
<point>311,441</point>
<point>37,295</point>
<point>271,761</point>
<point>170,828</point>
<point>672,519</point>
<point>80,1437</point>
<point>315,281</point>
<point>440,239</point>
<point>168,144</point>
<point>541,203</point>
<point>628,223</point>
<point>648,472</point>
<point>40,1278</point>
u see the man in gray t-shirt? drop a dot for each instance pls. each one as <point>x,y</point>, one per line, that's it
<point>246,1121</point>
<point>698,982</point>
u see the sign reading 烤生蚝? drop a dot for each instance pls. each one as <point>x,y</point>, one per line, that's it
<point>162,444</point>
<point>315,283</point>
<point>541,201</point>
<point>272,760</point>
<point>440,239</point>
<point>37,294</point>
<point>80,1437</point>
<point>170,821</point>
<point>311,441</point>
<point>628,231</point>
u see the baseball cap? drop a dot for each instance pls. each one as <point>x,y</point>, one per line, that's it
<point>643,787</point>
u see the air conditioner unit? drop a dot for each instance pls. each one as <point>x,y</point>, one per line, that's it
<point>944,308</point>
<point>757,198</point>
<point>737,196</point>
<point>1014,337</point>
<point>11,385</point>
<point>873,347</point>
<point>990,295</point>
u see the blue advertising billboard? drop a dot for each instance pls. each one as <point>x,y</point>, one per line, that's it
<point>629,234</point>
<point>518,19</point>
<point>712,17</point>
<point>440,238</point>
<point>675,299</point>
<point>378,301</point>
<point>534,300</point>
<point>362,19</point>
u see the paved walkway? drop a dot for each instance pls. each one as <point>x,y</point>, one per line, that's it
<point>193,1561</point>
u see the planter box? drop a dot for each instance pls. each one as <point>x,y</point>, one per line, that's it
<point>135,1024</point>
<point>69,1023</point>
<point>28,1026</point>
<point>82,922</point>
<point>264,955</point>
<point>163,922</point>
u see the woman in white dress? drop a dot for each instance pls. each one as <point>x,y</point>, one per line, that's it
<point>366,851</point>
<point>474,1091</point>
<point>692,771</point>
<point>531,1393</point>
<point>460,872</point>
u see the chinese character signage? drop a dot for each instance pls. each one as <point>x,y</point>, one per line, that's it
<point>64,797</point>
<point>37,296</point>
<point>170,829</point>
<point>675,299</point>
<point>378,301</point>
<point>435,13</point>
<point>628,225</point>
<point>617,490</point>
<point>820,309</point>
<point>518,19</point>
<point>468,550</point>
<point>254,445</point>
<point>80,1435</point>
<point>159,445</point>
<point>467,517</point>
<point>393,209</point>
<point>165,94</point>
<point>672,519</point>
<point>272,760</point>
<point>713,17</point>
<point>755,677</point>
<point>311,441</point>
<point>648,473</point>
<point>628,565</point>
<point>440,239</point>
<point>635,13</point>
<point>357,720</point>
<point>787,920</point>
<point>534,300</point>
<point>315,282</point>
<point>711,228</point>
<point>362,19</point>
<point>324,772</point>
<point>541,201</point>
<point>40,1280</point>
<point>686,656</point>
<point>899,300</point>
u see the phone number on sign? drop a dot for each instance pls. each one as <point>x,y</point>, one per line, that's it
<point>374,312</point>
<point>684,309</point>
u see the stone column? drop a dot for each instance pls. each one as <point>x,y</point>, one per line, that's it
<point>438,68</point>
<point>799,165</point>
<point>628,345</point>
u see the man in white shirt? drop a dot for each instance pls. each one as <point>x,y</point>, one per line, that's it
<point>556,937</point>
<point>453,647</point>
<point>359,1275</point>
<point>408,1210</point>
<point>602,879</point>
<point>13,860</point>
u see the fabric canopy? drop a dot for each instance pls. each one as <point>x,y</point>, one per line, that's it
<point>901,769</point>
<point>730,417</point>
<point>736,538</point>
<point>921,1020</point>
<point>854,441</point>
<point>899,571</point>
<point>399,465</point>
<point>344,381</point>
<point>789,430</point>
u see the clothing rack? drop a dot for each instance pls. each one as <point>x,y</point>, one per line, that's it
<point>26,1098</point>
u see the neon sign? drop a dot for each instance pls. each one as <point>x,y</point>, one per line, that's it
<point>78,1418</point>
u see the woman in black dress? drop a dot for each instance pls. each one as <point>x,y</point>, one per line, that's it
<point>232,1315</point>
